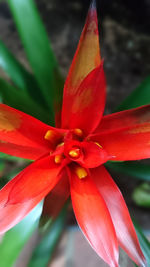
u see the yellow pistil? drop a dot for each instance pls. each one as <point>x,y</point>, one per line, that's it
<point>98,144</point>
<point>81,172</point>
<point>74,153</point>
<point>78,132</point>
<point>58,159</point>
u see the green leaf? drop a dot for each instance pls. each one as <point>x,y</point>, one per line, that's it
<point>18,74</point>
<point>20,100</point>
<point>145,244</point>
<point>141,195</point>
<point>15,239</point>
<point>37,47</point>
<point>140,96</point>
<point>44,251</point>
<point>138,170</point>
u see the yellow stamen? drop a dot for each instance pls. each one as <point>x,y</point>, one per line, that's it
<point>78,132</point>
<point>61,144</point>
<point>74,153</point>
<point>81,172</point>
<point>58,159</point>
<point>52,135</point>
<point>98,144</point>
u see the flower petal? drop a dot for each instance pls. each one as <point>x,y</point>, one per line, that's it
<point>23,192</point>
<point>124,119</point>
<point>88,102</point>
<point>93,155</point>
<point>38,177</point>
<point>22,130</point>
<point>94,219</point>
<point>87,58</point>
<point>131,139</point>
<point>55,200</point>
<point>119,213</point>
<point>22,151</point>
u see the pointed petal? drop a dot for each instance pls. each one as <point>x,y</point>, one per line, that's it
<point>94,219</point>
<point>88,102</point>
<point>22,130</point>
<point>124,119</point>
<point>87,58</point>
<point>119,213</point>
<point>56,199</point>
<point>23,192</point>
<point>128,142</point>
<point>22,151</point>
<point>35,179</point>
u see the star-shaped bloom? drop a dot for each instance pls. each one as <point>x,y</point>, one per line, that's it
<point>68,160</point>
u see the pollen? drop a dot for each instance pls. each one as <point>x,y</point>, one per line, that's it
<point>58,159</point>
<point>78,132</point>
<point>98,144</point>
<point>74,153</point>
<point>81,172</point>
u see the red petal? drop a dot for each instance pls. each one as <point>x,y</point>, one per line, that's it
<point>124,119</point>
<point>93,155</point>
<point>94,219</point>
<point>56,199</point>
<point>119,213</point>
<point>22,130</point>
<point>88,103</point>
<point>23,192</point>
<point>87,58</point>
<point>131,142</point>
<point>22,151</point>
<point>36,178</point>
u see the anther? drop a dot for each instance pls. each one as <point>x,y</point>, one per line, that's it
<point>52,135</point>
<point>78,132</point>
<point>58,159</point>
<point>74,153</point>
<point>81,172</point>
<point>98,144</point>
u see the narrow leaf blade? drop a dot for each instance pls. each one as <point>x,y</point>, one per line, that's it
<point>37,47</point>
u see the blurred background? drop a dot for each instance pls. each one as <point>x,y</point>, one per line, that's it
<point>125,46</point>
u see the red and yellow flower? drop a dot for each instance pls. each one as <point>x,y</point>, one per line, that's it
<point>69,160</point>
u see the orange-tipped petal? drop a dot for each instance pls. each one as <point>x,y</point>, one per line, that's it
<point>94,219</point>
<point>88,102</point>
<point>87,58</point>
<point>23,192</point>
<point>55,200</point>
<point>119,213</point>
<point>124,119</point>
<point>22,130</point>
<point>128,139</point>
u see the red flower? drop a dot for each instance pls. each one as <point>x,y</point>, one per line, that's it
<point>71,157</point>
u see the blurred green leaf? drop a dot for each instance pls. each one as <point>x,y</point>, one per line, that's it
<point>37,47</point>
<point>20,100</point>
<point>141,195</point>
<point>145,244</point>
<point>15,239</point>
<point>138,170</point>
<point>18,74</point>
<point>140,96</point>
<point>44,251</point>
